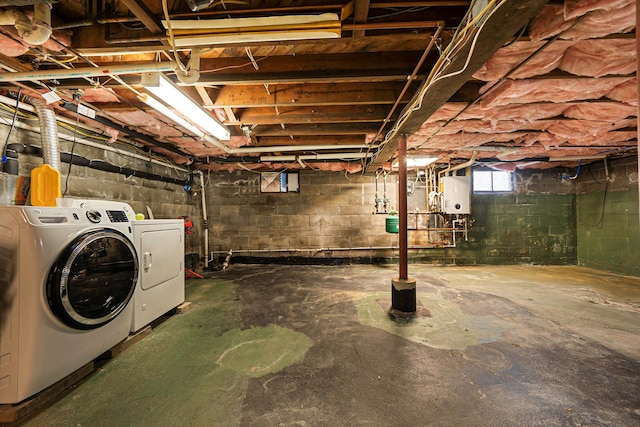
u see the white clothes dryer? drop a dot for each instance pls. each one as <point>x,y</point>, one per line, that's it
<point>160,247</point>
<point>67,276</point>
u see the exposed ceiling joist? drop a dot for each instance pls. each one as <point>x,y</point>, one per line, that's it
<point>508,18</point>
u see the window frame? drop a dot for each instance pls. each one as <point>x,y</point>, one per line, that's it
<point>279,182</point>
<point>493,172</point>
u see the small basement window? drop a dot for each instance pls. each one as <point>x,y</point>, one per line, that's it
<point>279,182</point>
<point>490,181</point>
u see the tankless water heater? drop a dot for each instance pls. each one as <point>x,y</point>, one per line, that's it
<point>457,194</point>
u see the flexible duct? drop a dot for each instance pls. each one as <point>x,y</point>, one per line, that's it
<point>48,132</point>
<point>36,31</point>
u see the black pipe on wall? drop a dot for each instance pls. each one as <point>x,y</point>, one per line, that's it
<point>92,164</point>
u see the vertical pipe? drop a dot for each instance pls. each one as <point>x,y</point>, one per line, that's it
<point>638,95</point>
<point>403,289</point>
<point>402,205</point>
<point>205,222</point>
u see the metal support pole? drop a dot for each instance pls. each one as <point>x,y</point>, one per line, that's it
<point>402,205</point>
<point>403,289</point>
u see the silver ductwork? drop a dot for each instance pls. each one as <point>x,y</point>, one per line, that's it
<point>48,132</point>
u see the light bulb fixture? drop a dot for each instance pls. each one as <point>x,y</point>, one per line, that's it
<point>165,111</point>
<point>163,88</point>
<point>417,162</point>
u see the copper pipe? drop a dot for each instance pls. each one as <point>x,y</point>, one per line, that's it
<point>412,77</point>
<point>381,5</point>
<point>393,25</point>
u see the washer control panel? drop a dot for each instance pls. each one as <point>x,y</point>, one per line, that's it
<point>94,216</point>
<point>60,216</point>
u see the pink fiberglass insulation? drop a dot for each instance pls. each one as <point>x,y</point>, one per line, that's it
<point>626,91</point>
<point>62,40</point>
<point>575,8</point>
<point>578,129</point>
<point>596,19</point>
<point>548,23</point>
<point>522,112</point>
<point>505,59</point>
<point>100,95</point>
<point>145,121</point>
<point>614,111</point>
<point>461,140</point>
<point>448,111</point>
<point>544,61</point>
<point>11,47</point>
<point>484,126</point>
<point>544,139</point>
<point>585,58</point>
<point>618,138</point>
<point>549,90</point>
<point>601,23</point>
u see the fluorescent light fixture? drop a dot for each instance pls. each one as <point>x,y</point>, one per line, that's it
<point>257,29</point>
<point>162,109</point>
<point>418,162</point>
<point>164,89</point>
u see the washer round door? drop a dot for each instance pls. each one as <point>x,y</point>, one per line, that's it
<point>93,279</point>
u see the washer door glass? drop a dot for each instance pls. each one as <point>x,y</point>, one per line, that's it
<point>93,279</point>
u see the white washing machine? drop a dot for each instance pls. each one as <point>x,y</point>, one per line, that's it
<point>67,276</point>
<point>160,247</point>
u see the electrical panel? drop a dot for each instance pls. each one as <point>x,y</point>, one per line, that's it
<point>456,194</point>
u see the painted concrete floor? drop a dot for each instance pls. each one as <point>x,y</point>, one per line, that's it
<point>313,346</point>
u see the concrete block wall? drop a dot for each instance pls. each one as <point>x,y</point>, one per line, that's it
<point>330,211</point>
<point>534,224</point>
<point>608,223</point>
<point>166,200</point>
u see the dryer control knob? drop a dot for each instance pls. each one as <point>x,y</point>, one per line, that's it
<point>94,216</point>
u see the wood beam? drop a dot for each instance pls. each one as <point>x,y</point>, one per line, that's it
<point>142,12</point>
<point>381,4</point>
<point>311,130</point>
<point>90,42</point>
<point>308,95</point>
<point>301,115</point>
<point>501,25</point>
<point>372,76</point>
<point>360,15</point>
<point>337,140</point>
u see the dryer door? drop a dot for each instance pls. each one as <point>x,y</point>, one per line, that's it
<point>93,279</point>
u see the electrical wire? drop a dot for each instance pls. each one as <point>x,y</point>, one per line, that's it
<point>416,103</point>
<point>246,64</point>
<point>608,179</point>
<point>73,146</point>
<point>165,10</point>
<point>13,124</point>
<point>91,135</point>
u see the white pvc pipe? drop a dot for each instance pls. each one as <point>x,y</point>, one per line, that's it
<point>466,164</point>
<point>72,73</point>
<point>36,31</point>
<point>281,148</point>
<point>205,221</point>
<point>41,30</point>
<point>325,156</point>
